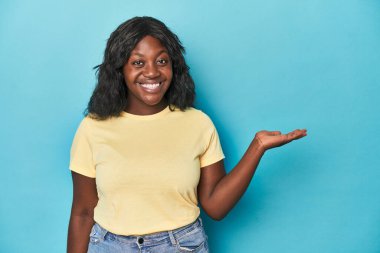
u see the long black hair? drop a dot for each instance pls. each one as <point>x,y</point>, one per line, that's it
<point>110,94</point>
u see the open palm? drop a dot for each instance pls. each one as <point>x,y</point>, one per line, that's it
<point>272,139</point>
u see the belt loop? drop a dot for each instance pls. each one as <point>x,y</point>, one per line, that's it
<point>172,238</point>
<point>100,230</point>
<point>200,221</point>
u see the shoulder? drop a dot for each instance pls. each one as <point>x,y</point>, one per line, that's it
<point>198,116</point>
<point>196,113</point>
<point>91,121</point>
<point>88,124</point>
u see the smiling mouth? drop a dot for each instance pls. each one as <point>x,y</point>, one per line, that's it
<point>150,87</point>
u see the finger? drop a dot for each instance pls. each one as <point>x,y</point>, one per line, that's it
<point>296,134</point>
<point>268,133</point>
<point>274,133</point>
<point>302,132</point>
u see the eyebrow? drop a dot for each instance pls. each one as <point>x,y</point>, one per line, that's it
<point>162,51</point>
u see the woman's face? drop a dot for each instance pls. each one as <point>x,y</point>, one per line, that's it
<point>147,74</point>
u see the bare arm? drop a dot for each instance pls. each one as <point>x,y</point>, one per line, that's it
<point>85,198</point>
<point>219,192</point>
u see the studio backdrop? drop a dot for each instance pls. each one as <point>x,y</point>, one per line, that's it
<point>274,65</point>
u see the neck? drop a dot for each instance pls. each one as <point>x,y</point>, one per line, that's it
<point>145,109</point>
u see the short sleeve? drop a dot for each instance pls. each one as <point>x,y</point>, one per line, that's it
<point>213,151</point>
<point>81,158</point>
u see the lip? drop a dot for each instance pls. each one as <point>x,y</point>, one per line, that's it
<point>150,81</point>
<point>150,90</point>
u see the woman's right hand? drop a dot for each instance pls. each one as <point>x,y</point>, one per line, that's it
<point>85,198</point>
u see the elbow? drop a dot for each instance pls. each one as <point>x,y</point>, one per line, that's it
<point>216,215</point>
<point>217,218</point>
<point>214,210</point>
<point>82,212</point>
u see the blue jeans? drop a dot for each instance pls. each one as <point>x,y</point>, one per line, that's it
<point>190,238</point>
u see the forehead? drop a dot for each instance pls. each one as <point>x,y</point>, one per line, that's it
<point>149,45</point>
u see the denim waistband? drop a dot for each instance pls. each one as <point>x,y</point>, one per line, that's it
<point>154,238</point>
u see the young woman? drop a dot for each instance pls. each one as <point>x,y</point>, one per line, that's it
<point>143,157</point>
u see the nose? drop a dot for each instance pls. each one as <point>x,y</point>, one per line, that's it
<point>151,71</point>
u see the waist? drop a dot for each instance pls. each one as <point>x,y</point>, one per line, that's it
<point>141,215</point>
<point>153,238</point>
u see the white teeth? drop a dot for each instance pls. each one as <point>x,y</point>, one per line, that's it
<point>150,85</point>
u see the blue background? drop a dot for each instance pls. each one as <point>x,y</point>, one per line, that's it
<point>275,65</point>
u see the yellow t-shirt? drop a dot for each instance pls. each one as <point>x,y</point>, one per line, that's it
<point>147,168</point>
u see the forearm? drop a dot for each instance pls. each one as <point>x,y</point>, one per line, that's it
<point>79,231</point>
<point>232,186</point>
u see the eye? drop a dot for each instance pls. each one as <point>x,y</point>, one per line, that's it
<point>162,61</point>
<point>138,63</point>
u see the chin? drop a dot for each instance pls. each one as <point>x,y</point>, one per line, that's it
<point>152,99</point>
<point>152,103</point>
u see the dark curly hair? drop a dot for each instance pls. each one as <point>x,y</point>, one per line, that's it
<point>109,97</point>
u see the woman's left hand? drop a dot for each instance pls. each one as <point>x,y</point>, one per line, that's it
<point>273,139</point>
